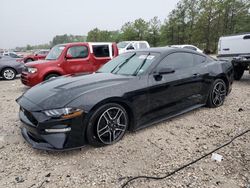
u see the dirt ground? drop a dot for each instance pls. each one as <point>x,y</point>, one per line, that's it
<point>153,151</point>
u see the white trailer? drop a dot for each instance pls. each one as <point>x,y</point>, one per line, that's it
<point>236,48</point>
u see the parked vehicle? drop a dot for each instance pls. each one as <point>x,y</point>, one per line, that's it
<point>126,46</point>
<point>39,55</point>
<point>236,48</point>
<point>69,59</point>
<point>10,67</point>
<point>187,46</point>
<point>11,54</point>
<point>132,91</point>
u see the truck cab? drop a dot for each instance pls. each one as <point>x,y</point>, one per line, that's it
<point>126,46</point>
<point>236,48</point>
<point>69,58</point>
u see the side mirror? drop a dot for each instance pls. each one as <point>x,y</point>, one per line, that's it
<point>160,72</point>
<point>166,71</point>
<point>69,56</point>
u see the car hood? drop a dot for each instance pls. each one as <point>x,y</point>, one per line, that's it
<point>34,63</point>
<point>58,92</point>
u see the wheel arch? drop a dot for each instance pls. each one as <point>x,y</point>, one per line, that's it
<point>52,72</point>
<point>123,103</point>
<point>26,59</point>
<point>225,79</point>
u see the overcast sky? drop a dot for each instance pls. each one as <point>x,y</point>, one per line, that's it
<point>34,22</point>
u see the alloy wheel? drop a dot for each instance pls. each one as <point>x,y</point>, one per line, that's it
<point>112,125</point>
<point>219,94</point>
<point>9,74</point>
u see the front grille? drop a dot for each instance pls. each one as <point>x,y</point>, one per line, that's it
<point>30,117</point>
<point>24,78</point>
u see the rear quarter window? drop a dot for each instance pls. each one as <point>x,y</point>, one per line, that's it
<point>101,51</point>
<point>143,45</point>
<point>246,37</point>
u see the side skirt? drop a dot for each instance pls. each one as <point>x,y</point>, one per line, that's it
<point>169,117</point>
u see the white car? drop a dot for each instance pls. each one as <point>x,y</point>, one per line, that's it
<point>187,46</point>
<point>125,46</point>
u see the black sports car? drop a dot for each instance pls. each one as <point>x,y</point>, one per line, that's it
<point>132,91</point>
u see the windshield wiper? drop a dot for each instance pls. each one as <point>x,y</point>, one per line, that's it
<point>122,64</point>
<point>142,64</point>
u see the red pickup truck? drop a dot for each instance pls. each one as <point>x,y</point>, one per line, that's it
<point>39,55</point>
<point>69,58</point>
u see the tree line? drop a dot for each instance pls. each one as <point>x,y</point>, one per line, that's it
<point>197,22</point>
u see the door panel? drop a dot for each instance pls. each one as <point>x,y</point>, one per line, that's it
<point>79,60</point>
<point>173,93</point>
<point>176,91</point>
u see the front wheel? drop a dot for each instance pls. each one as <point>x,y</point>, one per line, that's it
<point>9,74</point>
<point>217,94</point>
<point>107,125</point>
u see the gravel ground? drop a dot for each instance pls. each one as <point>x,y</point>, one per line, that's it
<point>152,151</point>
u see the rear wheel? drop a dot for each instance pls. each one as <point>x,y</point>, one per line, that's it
<point>9,74</point>
<point>238,72</point>
<point>217,94</point>
<point>107,125</point>
<point>51,76</point>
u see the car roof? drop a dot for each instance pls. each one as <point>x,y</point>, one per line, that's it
<point>167,50</point>
<point>84,43</point>
<point>233,35</point>
<point>135,41</point>
<point>183,45</point>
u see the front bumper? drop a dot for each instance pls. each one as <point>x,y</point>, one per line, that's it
<point>29,79</point>
<point>34,143</point>
<point>34,132</point>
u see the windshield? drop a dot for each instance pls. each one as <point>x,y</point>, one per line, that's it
<point>130,64</point>
<point>122,44</point>
<point>55,52</point>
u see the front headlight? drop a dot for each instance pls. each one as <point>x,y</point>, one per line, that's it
<point>64,113</point>
<point>32,70</point>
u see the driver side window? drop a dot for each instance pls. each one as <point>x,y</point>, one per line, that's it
<point>77,52</point>
<point>177,61</point>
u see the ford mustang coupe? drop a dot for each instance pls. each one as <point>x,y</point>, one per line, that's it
<point>132,91</point>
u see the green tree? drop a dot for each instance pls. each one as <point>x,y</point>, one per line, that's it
<point>154,31</point>
<point>93,35</point>
<point>141,28</point>
<point>128,31</point>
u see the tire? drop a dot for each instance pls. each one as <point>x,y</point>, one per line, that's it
<point>107,125</point>
<point>51,76</point>
<point>8,74</point>
<point>29,60</point>
<point>238,72</point>
<point>217,94</point>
